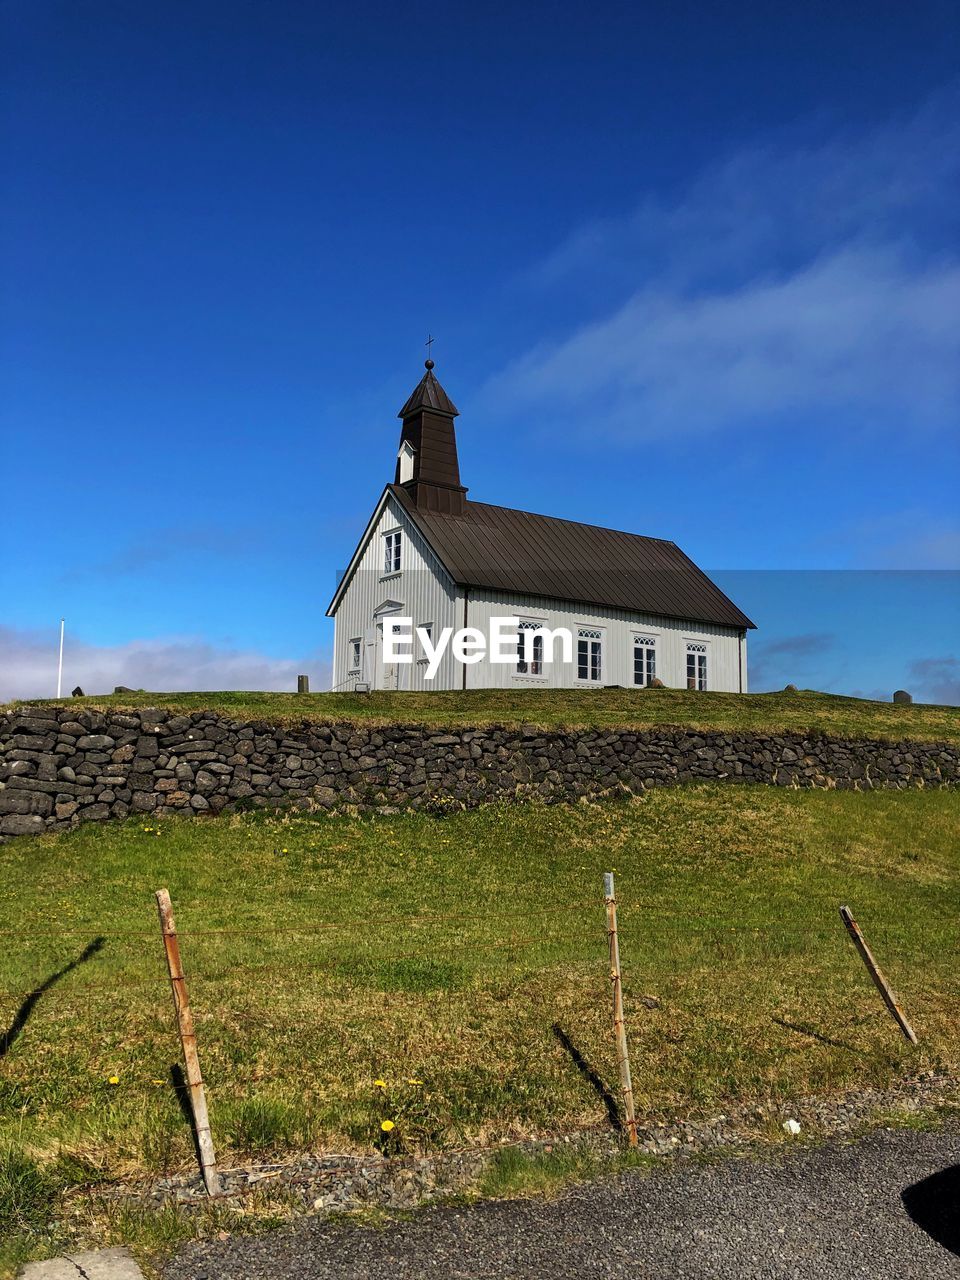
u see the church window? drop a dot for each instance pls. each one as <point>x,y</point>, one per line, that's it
<point>697,666</point>
<point>406,462</point>
<point>391,552</point>
<point>589,654</point>
<point>644,660</point>
<point>354,655</point>
<point>535,666</point>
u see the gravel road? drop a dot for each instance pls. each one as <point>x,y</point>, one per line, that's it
<point>887,1205</point>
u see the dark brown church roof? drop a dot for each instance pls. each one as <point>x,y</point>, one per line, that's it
<point>532,555</point>
<point>428,394</point>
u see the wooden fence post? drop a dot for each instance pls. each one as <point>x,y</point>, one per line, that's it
<point>619,1031</point>
<point>188,1042</point>
<point>880,982</point>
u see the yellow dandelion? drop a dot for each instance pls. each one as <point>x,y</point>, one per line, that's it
<point>379,1084</point>
<point>414,1082</point>
<point>158,1082</point>
<point>386,1125</point>
<point>113,1080</point>
<point>283,851</point>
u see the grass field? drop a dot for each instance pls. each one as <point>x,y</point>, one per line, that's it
<point>803,712</point>
<point>437,955</point>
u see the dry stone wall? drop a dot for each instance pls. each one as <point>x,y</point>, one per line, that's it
<point>60,766</point>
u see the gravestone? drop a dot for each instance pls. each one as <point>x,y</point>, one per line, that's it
<point>903,697</point>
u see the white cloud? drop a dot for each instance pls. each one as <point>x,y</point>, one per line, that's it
<point>857,330</point>
<point>790,659</point>
<point>938,679</point>
<point>783,202</point>
<point>912,538</point>
<point>808,280</point>
<point>28,666</point>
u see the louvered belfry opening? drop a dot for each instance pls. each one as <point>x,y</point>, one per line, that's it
<point>428,428</point>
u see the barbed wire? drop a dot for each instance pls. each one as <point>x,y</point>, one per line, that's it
<point>706,932</point>
<point>318,926</point>
<point>200,979</point>
<point>390,919</point>
<point>201,975</point>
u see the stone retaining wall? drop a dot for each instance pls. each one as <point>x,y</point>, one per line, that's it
<point>60,766</point>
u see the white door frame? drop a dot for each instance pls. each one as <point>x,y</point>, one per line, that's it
<point>386,678</point>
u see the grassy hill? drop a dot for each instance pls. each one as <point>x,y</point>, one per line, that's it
<point>803,712</point>
<point>437,955</point>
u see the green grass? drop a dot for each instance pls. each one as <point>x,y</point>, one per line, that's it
<point>28,1191</point>
<point>327,953</point>
<point>515,1172</point>
<point>803,712</point>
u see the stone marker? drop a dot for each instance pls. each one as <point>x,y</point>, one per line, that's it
<point>903,697</point>
<point>77,693</point>
<point>101,1264</point>
<point>303,684</point>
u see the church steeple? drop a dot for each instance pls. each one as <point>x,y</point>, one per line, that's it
<point>428,394</point>
<point>427,463</point>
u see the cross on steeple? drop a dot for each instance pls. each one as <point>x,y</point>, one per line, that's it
<point>429,344</point>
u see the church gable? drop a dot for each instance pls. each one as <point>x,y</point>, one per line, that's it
<point>411,551</point>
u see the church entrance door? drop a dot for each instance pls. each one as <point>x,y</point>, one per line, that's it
<point>386,675</point>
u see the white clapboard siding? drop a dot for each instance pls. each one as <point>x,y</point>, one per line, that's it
<point>726,651</point>
<point>423,590</point>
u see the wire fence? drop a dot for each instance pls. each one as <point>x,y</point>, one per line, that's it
<point>391,920</point>
<point>359,940</point>
<point>325,949</point>
<point>522,944</point>
<point>305,963</point>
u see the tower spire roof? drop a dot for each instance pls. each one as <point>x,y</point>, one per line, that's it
<point>428,394</point>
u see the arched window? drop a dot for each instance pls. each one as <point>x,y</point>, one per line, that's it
<point>589,654</point>
<point>697,666</point>
<point>535,666</point>
<point>644,660</point>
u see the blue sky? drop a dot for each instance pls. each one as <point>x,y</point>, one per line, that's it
<point>694,270</point>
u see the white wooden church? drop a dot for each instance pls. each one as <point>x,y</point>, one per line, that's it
<point>637,608</point>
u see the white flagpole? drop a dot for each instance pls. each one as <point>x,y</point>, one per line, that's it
<point>60,663</point>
